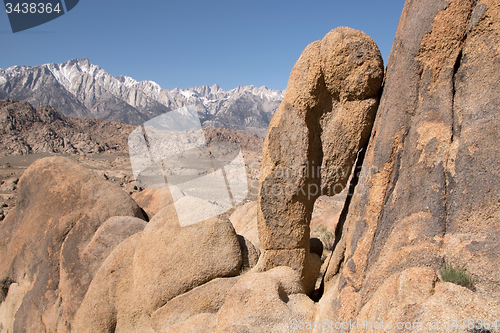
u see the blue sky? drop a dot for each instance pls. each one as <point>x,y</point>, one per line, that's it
<point>186,44</point>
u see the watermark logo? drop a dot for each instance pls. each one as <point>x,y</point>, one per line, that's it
<point>205,180</point>
<point>25,15</point>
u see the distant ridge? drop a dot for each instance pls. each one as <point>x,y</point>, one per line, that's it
<point>25,130</point>
<point>78,88</point>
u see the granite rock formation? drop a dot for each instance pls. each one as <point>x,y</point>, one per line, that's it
<point>425,193</point>
<point>53,242</point>
<point>432,197</point>
<point>323,121</point>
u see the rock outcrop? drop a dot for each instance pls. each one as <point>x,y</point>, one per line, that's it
<point>153,200</point>
<point>27,130</point>
<point>66,221</point>
<point>323,121</point>
<point>433,197</point>
<point>245,141</point>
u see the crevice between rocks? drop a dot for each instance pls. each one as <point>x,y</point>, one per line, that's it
<point>356,172</point>
<point>454,130</point>
<point>4,287</point>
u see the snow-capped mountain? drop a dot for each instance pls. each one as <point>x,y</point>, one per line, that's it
<point>78,88</point>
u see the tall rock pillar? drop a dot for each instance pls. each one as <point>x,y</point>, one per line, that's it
<point>324,119</point>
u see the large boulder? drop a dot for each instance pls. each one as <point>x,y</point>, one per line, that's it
<point>55,239</point>
<point>153,200</point>
<point>107,237</point>
<point>151,268</point>
<point>323,121</point>
<point>433,196</point>
<point>265,302</point>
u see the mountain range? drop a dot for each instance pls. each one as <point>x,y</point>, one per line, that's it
<point>80,89</point>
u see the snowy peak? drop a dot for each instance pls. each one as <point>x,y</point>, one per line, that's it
<point>6,74</point>
<point>126,80</point>
<point>66,73</point>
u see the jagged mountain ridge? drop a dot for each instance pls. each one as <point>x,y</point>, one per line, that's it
<point>78,88</point>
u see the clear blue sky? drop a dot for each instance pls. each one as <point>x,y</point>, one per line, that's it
<point>190,43</point>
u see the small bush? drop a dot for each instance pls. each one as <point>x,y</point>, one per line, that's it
<point>326,237</point>
<point>457,276</point>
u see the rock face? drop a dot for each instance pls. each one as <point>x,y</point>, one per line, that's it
<point>26,130</point>
<point>427,194</point>
<point>152,267</point>
<point>54,240</point>
<point>433,197</point>
<point>312,141</point>
<point>265,302</point>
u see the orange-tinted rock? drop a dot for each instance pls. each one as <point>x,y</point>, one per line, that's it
<point>312,141</point>
<point>434,195</point>
<point>46,242</point>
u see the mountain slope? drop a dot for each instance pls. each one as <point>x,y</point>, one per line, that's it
<point>77,88</point>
